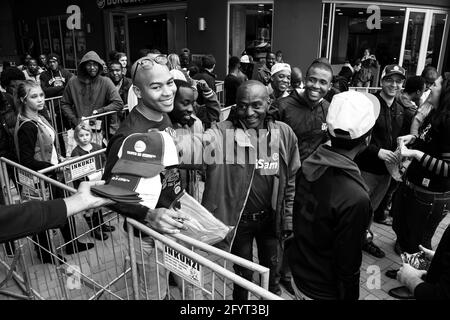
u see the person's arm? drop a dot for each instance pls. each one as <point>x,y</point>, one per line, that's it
<point>293,166</point>
<point>160,219</point>
<point>113,98</point>
<point>27,138</point>
<point>348,248</point>
<point>67,106</point>
<point>211,111</point>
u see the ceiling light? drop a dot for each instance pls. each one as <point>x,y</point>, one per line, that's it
<point>259,11</point>
<point>139,14</point>
<point>397,22</point>
<point>360,12</point>
<point>340,13</point>
<point>260,5</point>
<point>145,21</point>
<point>392,17</point>
<point>402,9</point>
<point>338,10</point>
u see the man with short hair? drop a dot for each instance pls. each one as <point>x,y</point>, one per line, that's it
<point>233,80</point>
<point>251,185</point>
<point>332,205</point>
<point>409,98</point>
<point>296,78</point>
<point>32,71</point>
<point>121,82</point>
<point>305,110</point>
<point>263,73</point>
<point>89,93</point>
<point>381,151</point>
<point>430,75</point>
<point>206,73</point>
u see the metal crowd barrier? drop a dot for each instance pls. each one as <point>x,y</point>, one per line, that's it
<point>123,266</point>
<point>365,89</point>
<point>103,125</point>
<point>220,92</point>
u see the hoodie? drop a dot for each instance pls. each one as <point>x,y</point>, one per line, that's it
<point>308,123</point>
<point>330,215</point>
<point>84,94</point>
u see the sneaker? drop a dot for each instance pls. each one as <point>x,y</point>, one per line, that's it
<point>374,250</point>
<point>392,273</point>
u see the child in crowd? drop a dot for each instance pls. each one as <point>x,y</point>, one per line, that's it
<point>83,138</point>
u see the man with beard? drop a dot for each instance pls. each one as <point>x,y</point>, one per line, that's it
<point>89,93</point>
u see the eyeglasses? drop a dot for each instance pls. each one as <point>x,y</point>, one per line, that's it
<point>161,59</point>
<point>392,81</point>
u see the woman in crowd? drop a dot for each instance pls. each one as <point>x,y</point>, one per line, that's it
<point>173,62</point>
<point>423,199</point>
<point>34,139</point>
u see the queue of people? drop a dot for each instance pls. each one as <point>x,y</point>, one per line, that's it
<point>308,198</point>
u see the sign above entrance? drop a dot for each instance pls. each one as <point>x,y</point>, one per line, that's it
<point>107,4</point>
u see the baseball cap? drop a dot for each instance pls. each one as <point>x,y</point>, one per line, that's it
<point>245,59</point>
<point>132,189</point>
<point>53,56</point>
<point>278,67</point>
<point>393,69</point>
<point>146,154</point>
<point>353,112</point>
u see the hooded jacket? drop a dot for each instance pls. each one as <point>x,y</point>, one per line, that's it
<point>330,215</point>
<point>54,82</point>
<point>84,94</point>
<point>308,123</point>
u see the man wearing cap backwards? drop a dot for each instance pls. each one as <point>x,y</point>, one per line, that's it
<point>332,205</point>
<point>305,111</point>
<point>54,80</point>
<point>89,93</point>
<point>389,126</point>
<point>280,80</point>
<point>245,188</point>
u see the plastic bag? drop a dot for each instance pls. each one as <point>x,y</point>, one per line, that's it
<point>202,226</point>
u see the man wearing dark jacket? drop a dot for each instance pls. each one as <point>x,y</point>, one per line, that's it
<point>305,111</point>
<point>54,80</point>
<point>89,93</point>
<point>381,151</point>
<point>206,73</point>
<point>332,205</point>
<point>247,186</point>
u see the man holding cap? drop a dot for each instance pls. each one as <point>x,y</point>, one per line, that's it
<point>381,151</point>
<point>332,205</point>
<point>54,80</point>
<point>280,80</point>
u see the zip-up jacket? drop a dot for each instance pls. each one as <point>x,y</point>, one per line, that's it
<point>228,181</point>
<point>308,123</point>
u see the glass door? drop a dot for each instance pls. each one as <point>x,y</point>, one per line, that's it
<point>424,35</point>
<point>119,32</point>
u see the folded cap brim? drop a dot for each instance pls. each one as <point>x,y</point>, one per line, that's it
<point>144,170</point>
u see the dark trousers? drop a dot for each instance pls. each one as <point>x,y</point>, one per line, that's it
<point>381,213</point>
<point>267,244</point>
<point>417,215</point>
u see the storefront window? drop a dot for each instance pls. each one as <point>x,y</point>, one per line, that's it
<point>250,29</point>
<point>352,36</point>
<point>412,44</point>
<point>436,36</point>
<point>325,29</point>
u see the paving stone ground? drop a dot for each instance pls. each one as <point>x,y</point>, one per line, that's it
<point>102,267</point>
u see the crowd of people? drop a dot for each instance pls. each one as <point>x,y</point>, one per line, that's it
<point>329,166</point>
